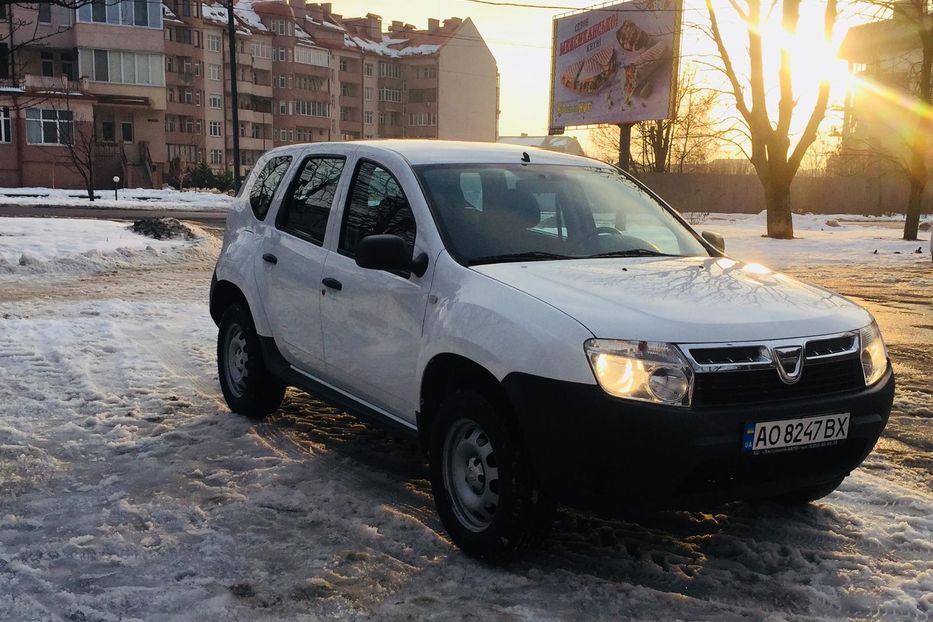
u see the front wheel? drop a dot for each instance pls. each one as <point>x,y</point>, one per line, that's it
<point>248,387</point>
<point>483,485</point>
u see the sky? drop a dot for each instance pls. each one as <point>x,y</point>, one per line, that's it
<point>520,39</point>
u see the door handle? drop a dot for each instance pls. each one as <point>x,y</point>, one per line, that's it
<point>332,283</point>
<point>270,258</point>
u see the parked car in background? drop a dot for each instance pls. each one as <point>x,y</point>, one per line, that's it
<point>549,329</point>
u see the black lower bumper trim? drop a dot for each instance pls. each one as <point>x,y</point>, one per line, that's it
<point>593,450</point>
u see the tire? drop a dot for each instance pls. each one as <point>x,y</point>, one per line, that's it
<point>804,496</point>
<point>483,485</point>
<point>247,385</point>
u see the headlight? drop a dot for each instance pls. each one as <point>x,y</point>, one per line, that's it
<point>874,354</point>
<point>641,370</point>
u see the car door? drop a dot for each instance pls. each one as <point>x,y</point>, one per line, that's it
<point>372,318</point>
<point>293,257</point>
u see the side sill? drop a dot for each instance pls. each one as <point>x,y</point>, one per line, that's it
<point>277,364</point>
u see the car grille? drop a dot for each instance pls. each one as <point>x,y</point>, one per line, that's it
<point>819,377</point>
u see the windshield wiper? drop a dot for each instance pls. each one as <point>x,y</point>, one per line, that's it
<point>527,256</point>
<point>633,252</point>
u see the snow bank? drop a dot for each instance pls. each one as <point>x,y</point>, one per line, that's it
<point>848,239</point>
<point>40,245</point>
<point>138,198</point>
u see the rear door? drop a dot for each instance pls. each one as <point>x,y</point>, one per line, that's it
<point>373,319</point>
<point>293,257</point>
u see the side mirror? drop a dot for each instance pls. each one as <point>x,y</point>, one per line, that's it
<point>715,239</point>
<point>389,252</point>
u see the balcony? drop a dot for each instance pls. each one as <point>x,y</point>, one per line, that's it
<point>60,84</point>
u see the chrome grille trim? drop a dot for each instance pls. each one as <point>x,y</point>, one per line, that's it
<point>765,357</point>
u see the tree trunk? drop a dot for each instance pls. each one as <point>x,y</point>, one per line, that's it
<point>918,173</point>
<point>777,202</point>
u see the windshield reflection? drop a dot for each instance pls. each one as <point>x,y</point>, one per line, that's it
<point>492,213</point>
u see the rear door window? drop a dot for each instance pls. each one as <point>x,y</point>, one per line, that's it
<point>306,207</point>
<point>267,181</point>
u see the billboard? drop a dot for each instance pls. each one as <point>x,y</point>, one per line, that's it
<point>615,64</point>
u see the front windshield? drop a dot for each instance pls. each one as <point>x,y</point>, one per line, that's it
<point>492,213</point>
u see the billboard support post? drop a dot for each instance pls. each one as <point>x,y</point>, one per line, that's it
<point>625,146</point>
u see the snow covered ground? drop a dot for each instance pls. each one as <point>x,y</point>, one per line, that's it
<point>851,239</point>
<point>128,492</point>
<point>128,198</point>
<point>71,245</point>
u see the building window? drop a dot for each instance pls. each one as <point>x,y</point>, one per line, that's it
<point>309,56</point>
<point>48,64</point>
<point>187,97</point>
<point>345,90</point>
<point>127,131</point>
<point>45,13</point>
<point>216,156</point>
<point>281,54</point>
<point>4,59</point>
<point>122,12</point>
<point>344,64</point>
<point>416,96</point>
<point>213,72</point>
<point>213,43</point>
<point>215,101</point>
<point>422,118</point>
<point>368,117</point>
<point>280,26</point>
<point>122,67</point>
<point>283,107</point>
<point>311,109</point>
<point>108,132</point>
<point>368,67</point>
<point>389,70</point>
<point>390,95</point>
<point>6,128</point>
<point>261,50</point>
<point>215,128</point>
<point>48,127</point>
<point>368,93</point>
<point>68,65</point>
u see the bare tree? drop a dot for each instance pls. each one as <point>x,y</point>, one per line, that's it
<point>77,134</point>
<point>22,27</point>
<point>775,162</point>
<point>670,144</point>
<point>917,17</point>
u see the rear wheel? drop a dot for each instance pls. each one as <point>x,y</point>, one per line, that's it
<point>483,485</point>
<point>248,387</point>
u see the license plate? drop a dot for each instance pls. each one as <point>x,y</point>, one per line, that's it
<point>792,433</point>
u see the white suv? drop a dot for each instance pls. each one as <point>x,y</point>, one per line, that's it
<point>549,329</point>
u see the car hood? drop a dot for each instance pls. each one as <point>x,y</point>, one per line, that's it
<point>681,299</point>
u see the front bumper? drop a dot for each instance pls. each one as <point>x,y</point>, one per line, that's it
<point>592,450</point>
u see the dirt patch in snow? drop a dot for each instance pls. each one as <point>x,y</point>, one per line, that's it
<point>163,229</point>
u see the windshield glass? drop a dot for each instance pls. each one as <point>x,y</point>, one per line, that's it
<point>503,212</point>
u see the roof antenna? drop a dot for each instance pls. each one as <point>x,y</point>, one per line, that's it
<point>525,157</point>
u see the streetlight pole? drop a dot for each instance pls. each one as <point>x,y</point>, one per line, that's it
<point>234,103</point>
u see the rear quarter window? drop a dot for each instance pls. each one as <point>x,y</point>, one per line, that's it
<point>266,183</point>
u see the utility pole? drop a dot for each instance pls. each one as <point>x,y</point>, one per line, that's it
<point>234,103</point>
<point>625,146</point>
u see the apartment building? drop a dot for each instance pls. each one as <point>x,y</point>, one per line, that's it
<point>81,73</point>
<point>153,81</point>
<point>886,57</point>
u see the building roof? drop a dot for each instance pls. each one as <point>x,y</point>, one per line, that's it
<point>867,42</point>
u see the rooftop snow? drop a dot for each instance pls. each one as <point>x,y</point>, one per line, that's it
<point>383,48</point>
<point>244,10</point>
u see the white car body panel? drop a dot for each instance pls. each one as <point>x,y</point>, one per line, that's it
<point>501,328</point>
<point>682,299</point>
